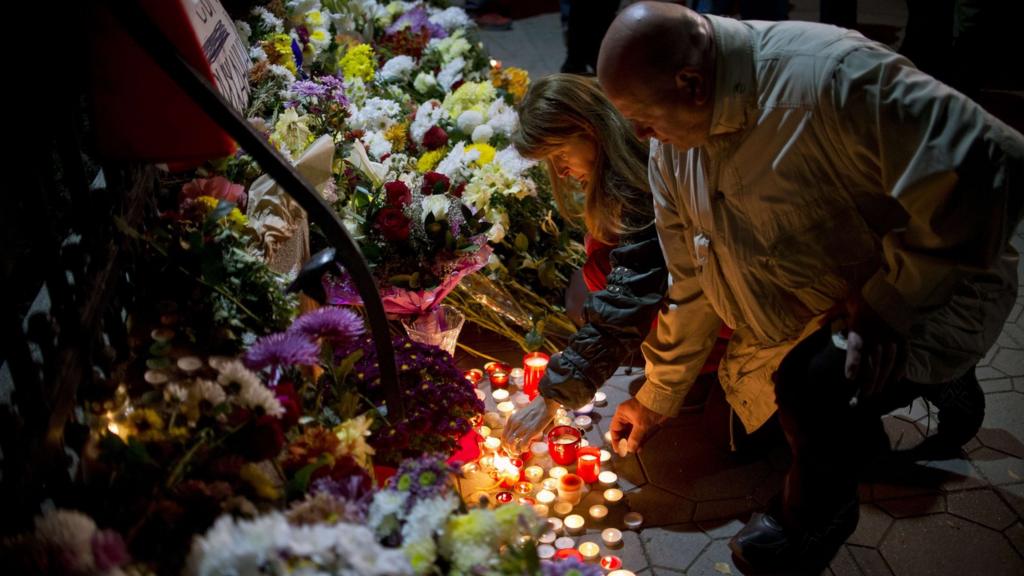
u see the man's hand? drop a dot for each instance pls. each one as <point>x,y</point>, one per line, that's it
<point>875,352</point>
<point>527,423</point>
<point>634,422</point>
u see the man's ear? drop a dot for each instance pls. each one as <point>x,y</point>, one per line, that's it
<point>690,82</point>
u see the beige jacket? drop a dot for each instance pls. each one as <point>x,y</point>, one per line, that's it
<point>834,165</point>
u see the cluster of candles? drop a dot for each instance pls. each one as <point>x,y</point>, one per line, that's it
<point>541,476</point>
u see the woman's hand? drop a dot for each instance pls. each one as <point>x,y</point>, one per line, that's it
<point>527,423</point>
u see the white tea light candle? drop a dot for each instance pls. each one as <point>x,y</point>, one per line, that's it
<point>505,409</point>
<point>534,474</point>
<point>605,456</point>
<point>545,497</point>
<point>600,398</point>
<point>564,542</point>
<point>500,395</point>
<point>612,495</point>
<point>608,478</point>
<point>611,536</point>
<point>589,550</point>
<point>492,443</point>
<point>545,551</point>
<point>557,472</point>
<point>598,511</point>
<point>562,508</point>
<point>574,523</point>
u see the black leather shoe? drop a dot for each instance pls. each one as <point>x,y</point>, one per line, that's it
<point>765,545</point>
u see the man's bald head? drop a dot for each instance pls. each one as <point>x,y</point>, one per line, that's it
<point>657,66</point>
<point>649,42</point>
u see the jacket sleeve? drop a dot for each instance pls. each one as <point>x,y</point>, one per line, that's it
<point>956,171</point>
<point>616,320</point>
<point>675,351</point>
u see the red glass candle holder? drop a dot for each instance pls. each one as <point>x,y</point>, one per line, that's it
<point>566,553</point>
<point>499,379</point>
<point>588,463</point>
<point>611,562</point>
<point>563,443</point>
<point>474,375</point>
<point>534,366</point>
<point>491,367</point>
<point>504,497</point>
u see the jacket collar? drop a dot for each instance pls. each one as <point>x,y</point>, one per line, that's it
<point>735,86</point>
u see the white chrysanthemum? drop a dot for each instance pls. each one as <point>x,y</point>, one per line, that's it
<point>209,391</point>
<point>356,91</point>
<point>451,19</point>
<point>256,54</point>
<point>452,47</point>
<point>261,397</point>
<point>71,532</point>
<point>428,115</point>
<point>374,114</point>
<point>469,120</point>
<point>397,68</point>
<point>428,517</point>
<point>424,82</point>
<point>502,118</point>
<point>283,73</point>
<point>235,377</point>
<point>268,19</point>
<point>386,511</point>
<point>251,393</point>
<point>456,163</point>
<point>376,144</point>
<point>482,134</point>
<point>450,74</point>
<point>244,31</point>
<point>512,163</point>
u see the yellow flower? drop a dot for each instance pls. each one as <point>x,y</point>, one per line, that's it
<point>292,132</point>
<point>358,63</point>
<point>429,160</point>
<point>260,482</point>
<point>486,153</point>
<point>514,80</point>
<point>396,134</point>
<point>208,202</point>
<point>353,433</point>
<point>147,424</point>
<point>237,218</point>
<point>470,96</point>
<point>279,51</point>
<point>314,18</point>
<point>319,35</point>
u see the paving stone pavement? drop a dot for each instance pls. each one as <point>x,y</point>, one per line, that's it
<point>959,516</point>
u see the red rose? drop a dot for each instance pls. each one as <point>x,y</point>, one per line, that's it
<point>458,190</point>
<point>260,439</point>
<point>398,193</point>
<point>392,223</point>
<point>435,183</point>
<point>435,138</point>
<point>291,403</point>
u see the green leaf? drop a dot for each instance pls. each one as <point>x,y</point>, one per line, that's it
<point>522,243</point>
<point>299,483</point>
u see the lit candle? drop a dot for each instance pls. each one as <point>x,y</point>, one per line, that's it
<point>504,497</point>
<point>474,375</point>
<point>609,562</point>
<point>583,421</point>
<point>534,365</point>
<point>550,484</point>
<point>605,456</point>
<point>499,379</point>
<point>484,431</point>
<point>548,537</point>
<point>545,551</point>
<point>590,550</point>
<point>492,419</point>
<point>506,409</point>
<point>608,478</point>
<point>500,395</point>
<point>612,495</point>
<point>574,523</point>
<point>525,489</point>
<point>492,443</point>
<point>492,367</point>
<point>534,474</point>
<point>469,468</point>
<point>563,441</point>
<point>563,421</point>
<point>588,466</point>
<point>621,573</point>
<point>539,451</point>
<point>557,472</point>
<point>562,508</point>
<point>600,398</point>
<point>556,525</point>
<point>598,511</point>
<point>542,510</point>
<point>545,496</point>
<point>516,376</point>
<point>564,543</point>
<point>570,488</point>
<point>612,537</point>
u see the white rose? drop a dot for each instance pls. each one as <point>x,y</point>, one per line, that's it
<point>424,81</point>
<point>437,205</point>
<point>469,120</point>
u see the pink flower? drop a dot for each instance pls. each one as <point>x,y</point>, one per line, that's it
<point>218,187</point>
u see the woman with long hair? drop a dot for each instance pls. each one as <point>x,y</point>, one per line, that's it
<point>598,170</point>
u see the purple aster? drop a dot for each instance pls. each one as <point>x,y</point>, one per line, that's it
<point>336,325</point>
<point>282,350</point>
<point>336,88</point>
<point>309,89</point>
<point>417,20</point>
<point>569,566</point>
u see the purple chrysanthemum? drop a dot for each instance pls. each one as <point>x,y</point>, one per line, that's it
<point>335,325</point>
<point>569,566</point>
<point>309,89</point>
<point>282,350</point>
<point>417,20</point>
<point>336,88</point>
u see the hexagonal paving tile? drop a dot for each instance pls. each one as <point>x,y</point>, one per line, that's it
<point>872,526</point>
<point>981,506</point>
<point>1014,494</point>
<point>631,473</point>
<point>1015,534</point>
<point>659,507</point>
<point>725,509</point>
<point>955,474</point>
<point>715,559</point>
<point>718,529</point>
<point>1008,360</point>
<point>631,552</point>
<point>1003,429</point>
<point>936,545</point>
<point>914,505</point>
<point>997,385</point>
<point>997,467</point>
<point>843,563</point>
<point>903,434</point>
<point>869,561</point>
<point>675,546</point>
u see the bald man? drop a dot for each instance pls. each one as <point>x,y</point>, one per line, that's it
<point>846,214</point>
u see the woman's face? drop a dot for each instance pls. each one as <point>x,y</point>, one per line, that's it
<point>575,158</point>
